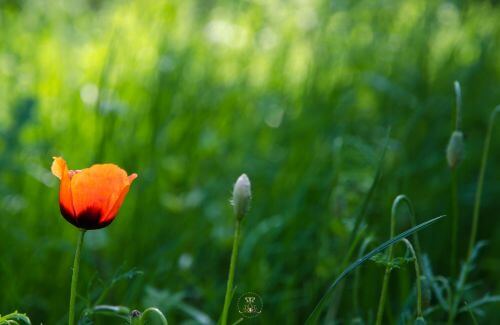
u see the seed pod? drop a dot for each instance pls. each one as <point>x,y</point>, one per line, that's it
<point>420,321</point>
<point>242,195</point>
<point>455,149</point>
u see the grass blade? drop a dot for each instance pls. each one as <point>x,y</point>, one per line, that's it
<point>312,319</point>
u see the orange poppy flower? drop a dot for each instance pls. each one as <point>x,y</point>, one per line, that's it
<point>90,198</point>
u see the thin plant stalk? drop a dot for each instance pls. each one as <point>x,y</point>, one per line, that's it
<point>454,183</point>
<point>230,278</point>
<point>385,284</point>
<point>479,191</point>
<point>458,100</point>
<point>475,217</point>
<point>417,275</point>
<point>383,293</point>
<point>74,278</point>
<point>454,220</point>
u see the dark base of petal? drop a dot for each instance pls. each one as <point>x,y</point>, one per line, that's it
<point>89,219</point>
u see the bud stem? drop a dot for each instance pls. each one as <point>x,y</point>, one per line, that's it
<point>74,278</point>
<point>454,220</point>
<point>417,274</point>
<point>458,96</point>
<point>385,284</point>
<point>232,267</point>
<point>454,182</point>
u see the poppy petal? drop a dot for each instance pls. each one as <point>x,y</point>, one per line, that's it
<point>58,167</point>
<point>60,170</point>
<point>94,187</point>
<point>116,201</point>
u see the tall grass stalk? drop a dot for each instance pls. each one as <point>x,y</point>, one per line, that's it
<point>479,191</point>
<point>475,218</point>
<point>454,221</point>
<point>313,317</point>
<point>385,284</point>
<point>230,278</point>
<point>454,183</point>
<point>74,278</point>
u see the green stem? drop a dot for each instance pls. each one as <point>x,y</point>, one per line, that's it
<point>455,218</point>
<point>479,191</point>
<point>387,273</point>
<point>454,182</point>
<point>475,218</point>
<point>458,97</point>
<point>399,199</point>
<point>383,295</point>
<point>74,279</point>
<point>417,274</point>
<point>230,278</point>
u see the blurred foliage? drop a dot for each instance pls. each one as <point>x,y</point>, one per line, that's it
<point>190,94</point>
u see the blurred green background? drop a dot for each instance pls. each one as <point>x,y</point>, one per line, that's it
<point>190,94</point>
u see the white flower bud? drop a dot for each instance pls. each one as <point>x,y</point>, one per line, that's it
<point>455,149</point>
<point>242,195</point>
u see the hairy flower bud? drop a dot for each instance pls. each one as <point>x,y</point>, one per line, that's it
<point>242,196</point>
<point>455,149</point>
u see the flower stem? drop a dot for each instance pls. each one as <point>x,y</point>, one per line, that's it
<point>417,274</point>
<point>458,100</point>
<point>74,279</point>
<point>479,191</point>
<point>397,201</point>
<point>232,266</point>
<point>454,220</point>
<point>454,182</point>
<point>387,273</point>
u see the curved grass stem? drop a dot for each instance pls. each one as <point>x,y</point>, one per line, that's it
<point>399,200</point>
<point>74,278</point>
<point>417,275</point>
<point>230,278</point>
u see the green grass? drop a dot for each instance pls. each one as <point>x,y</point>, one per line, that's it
<point>298,95</point>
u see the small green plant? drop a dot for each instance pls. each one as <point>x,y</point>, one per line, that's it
<point>242,196</point>
<point>399,200</point>
<point>314,316</point>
